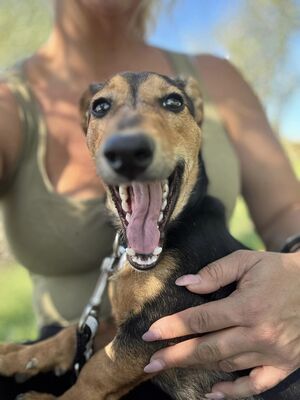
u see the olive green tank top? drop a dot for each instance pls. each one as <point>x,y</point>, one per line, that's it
<point>60,240</point>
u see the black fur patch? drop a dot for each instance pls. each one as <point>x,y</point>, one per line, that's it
<point>134,80</point>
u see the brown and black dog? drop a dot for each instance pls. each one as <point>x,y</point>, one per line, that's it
<point>144,132</point>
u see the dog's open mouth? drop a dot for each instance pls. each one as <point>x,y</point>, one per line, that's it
<point>144,209</point>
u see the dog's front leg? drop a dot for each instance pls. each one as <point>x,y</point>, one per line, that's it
<point>109,374</point>
<point>56,353</point>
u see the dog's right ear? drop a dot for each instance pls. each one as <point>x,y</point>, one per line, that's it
<point>84,104</point>
<point>193,90</point>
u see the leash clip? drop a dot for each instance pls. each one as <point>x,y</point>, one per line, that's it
<point>89,323</point>
<point>108,266</point>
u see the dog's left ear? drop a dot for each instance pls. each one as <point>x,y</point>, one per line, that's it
<point>84,104</point>
<point>192,89</point>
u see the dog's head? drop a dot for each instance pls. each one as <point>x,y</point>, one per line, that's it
<point>143,131</point>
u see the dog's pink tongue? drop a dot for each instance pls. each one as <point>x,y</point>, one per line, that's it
<point>142,232</point>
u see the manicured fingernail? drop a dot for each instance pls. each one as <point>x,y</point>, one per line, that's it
<point>154,366</point>
<point>151,335</point>
<point>188,280</point>
<point>215,396</point>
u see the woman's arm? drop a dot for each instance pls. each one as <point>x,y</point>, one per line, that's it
<point>269,185</point>
<point>11,140</point>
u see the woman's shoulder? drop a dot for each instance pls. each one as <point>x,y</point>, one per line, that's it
<point>236,100</point>
<point>221,76</point>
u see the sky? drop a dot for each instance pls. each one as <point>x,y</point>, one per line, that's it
<point>189,27</point>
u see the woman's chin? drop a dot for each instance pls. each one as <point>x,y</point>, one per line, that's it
<point>109,8</point>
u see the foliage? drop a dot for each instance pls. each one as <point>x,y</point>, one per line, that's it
<point>259,38</point>
<point>24,26</point>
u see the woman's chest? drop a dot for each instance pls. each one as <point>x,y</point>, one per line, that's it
<point>68,164</point>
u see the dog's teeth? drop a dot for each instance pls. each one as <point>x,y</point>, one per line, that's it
<point>153,259</point>
<point>157,251</point>
<point>165,190</point>
<point>125,206</point>
<point>165,195</point>
<point>164,205</point>
<point>148,261</point>
<point>161,216</point>
<point>123,193</point>
<point>128,217</point>
<point>123,190</point>
<point>130,251</point>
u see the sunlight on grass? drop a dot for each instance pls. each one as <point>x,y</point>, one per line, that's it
<point>242,228</point>
<point>17,322</point>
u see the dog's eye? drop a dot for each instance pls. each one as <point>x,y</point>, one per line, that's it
<point>100,107</point>
<point>173,102</point>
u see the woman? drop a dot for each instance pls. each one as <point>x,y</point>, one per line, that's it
<point>53,200</point>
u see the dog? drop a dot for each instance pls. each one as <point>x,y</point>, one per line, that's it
<point>144,133</point>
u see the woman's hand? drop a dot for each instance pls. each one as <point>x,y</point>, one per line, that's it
<point>257,326</point>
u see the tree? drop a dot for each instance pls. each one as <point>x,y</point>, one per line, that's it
<point>24,25</point>
<point>260,36</point>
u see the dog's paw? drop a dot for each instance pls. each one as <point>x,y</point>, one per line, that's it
<point>9,347</point>
<point>56,353</point>
<point>35,396</point>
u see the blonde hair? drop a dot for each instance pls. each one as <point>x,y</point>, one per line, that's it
<point>145,17</point>
<point>143,20</point>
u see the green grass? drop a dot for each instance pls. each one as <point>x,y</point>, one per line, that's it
<point>17,322</point>
<point>242,228</point>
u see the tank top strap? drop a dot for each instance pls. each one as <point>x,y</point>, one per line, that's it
<point>32,123</point>
<point>184,64</point>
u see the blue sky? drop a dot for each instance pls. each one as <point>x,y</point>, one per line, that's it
<point>190,26</point>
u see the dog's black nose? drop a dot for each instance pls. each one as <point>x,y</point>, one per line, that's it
<point>129,155</point>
